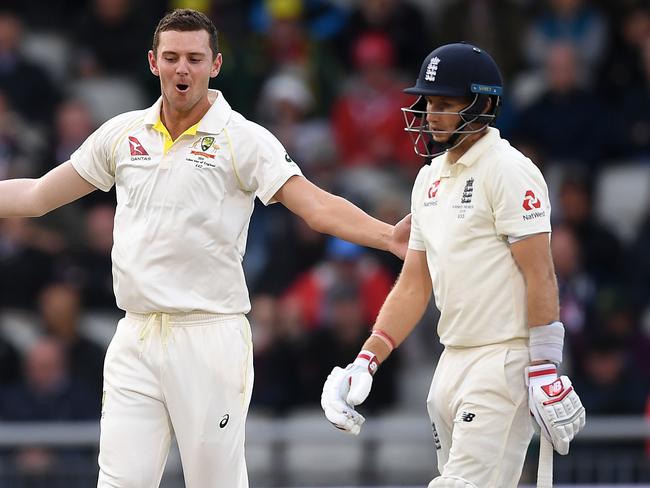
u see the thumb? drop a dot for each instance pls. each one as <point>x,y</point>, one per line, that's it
<point>359,388</point>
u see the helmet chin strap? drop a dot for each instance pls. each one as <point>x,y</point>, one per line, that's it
<point>455,139</point>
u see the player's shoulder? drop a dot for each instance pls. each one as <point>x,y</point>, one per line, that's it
<point>246,128</point>
<point>503,158</point>
<point>125,119</point>
<point>248,135</point>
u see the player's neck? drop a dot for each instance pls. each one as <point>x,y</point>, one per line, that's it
<point>178,122</point>
<point>455,154</point>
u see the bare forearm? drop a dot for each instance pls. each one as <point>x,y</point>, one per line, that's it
<point>17,198</point>
<point>33,198</point>
<point>404,306</point>
<point>342,219</point>
<point>542,300</point>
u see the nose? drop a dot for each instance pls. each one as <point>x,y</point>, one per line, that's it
<point>431,118</point>
<point>182,67</point>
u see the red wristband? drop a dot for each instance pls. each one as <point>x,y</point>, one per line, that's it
<point>384,337</point>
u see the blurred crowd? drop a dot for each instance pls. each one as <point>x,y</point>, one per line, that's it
<point>325,76</point>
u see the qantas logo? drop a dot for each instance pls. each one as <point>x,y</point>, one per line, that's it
<point>531,201</point>
<point>136,148</point>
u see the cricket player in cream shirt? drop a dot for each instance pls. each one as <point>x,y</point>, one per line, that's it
<point>186,173</point>
<point>480,243</point>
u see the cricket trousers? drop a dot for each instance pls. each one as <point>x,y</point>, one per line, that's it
<point>478,405</point>
<point>188,376</point>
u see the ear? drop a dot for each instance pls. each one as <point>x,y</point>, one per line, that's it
<point>216,65</point>
<point>153,66</point>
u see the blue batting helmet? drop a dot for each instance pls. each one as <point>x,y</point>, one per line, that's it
<point>454,70</point>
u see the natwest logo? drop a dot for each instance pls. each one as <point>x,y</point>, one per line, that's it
<point>433,189</point>
<point>136,148</point>
<point>531,201</point>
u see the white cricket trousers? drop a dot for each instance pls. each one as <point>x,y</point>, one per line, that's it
<point>188,375</point>
<point>478,404</point>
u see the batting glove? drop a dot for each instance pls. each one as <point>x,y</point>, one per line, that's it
<point>346,388</point>
<point>555,406</point>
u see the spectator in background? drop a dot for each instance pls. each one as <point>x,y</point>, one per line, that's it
<point>577,289</point>
<point>286,47</point>
<point>278,347</point>
<point>346,263</point>
<point>60,313</point>
<point>573,22</point>
<point>27,86</point>
<point>92,264</point>
<point>73,123</point>
<point>112,35</point>
<point>401,22</point>
<point>27,258</point>
<point>367,118</point>
<point>491,24</point>
<point>636,109</point>
<point>608,383</point>
<point>286,109</point>
<point>621,68</point>
<point>292,248</point>
<point>601,250</point>
<point>48,393</point>
<point>21,146</point>
<point>568,121</point>
<point>49,390</point>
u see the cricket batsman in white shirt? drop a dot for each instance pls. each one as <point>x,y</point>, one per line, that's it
<point>186,172</point>
<point>480,242</point>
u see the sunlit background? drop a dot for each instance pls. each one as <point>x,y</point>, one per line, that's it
<point>325,76</point>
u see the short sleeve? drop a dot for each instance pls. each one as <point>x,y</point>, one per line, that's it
<point>416,240</point>
<point>520,199</point>
<point>262,163</point>
<point>93,160</point>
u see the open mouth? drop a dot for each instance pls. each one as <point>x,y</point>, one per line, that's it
<point>182,87</point>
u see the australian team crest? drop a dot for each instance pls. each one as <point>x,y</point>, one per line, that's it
<point>203,152</point>
<point>206,142</point>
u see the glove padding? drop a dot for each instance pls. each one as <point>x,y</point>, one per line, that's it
<point>555,406</point>
<point>346,388</point>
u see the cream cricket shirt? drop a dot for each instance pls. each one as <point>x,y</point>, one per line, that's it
<point>183,208</point>
<point>463,214</point>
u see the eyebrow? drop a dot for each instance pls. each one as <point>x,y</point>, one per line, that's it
<point>175,53</point>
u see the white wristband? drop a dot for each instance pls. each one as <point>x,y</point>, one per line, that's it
<point>547,342</point>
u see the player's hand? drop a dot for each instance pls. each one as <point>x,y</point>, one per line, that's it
<point>399,241</point>
<point>555,406</point>
<point>346,388</point>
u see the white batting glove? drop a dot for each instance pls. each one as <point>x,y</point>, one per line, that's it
<point>555,405</point>
<point>346,388</point>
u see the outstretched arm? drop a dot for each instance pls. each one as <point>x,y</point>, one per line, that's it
<point>35,197</point>
<point>336,216</point>
<point>346,388</point>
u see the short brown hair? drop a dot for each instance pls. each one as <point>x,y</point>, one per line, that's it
<point>186,19</point>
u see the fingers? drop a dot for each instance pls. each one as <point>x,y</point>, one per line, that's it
<point>359,389</point>
<point>337,410</point>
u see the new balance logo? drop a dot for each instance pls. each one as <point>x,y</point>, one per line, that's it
<point>467,416</point>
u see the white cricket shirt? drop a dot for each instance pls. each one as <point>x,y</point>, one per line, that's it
<point>183,207</point>
<point>463,214</point>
